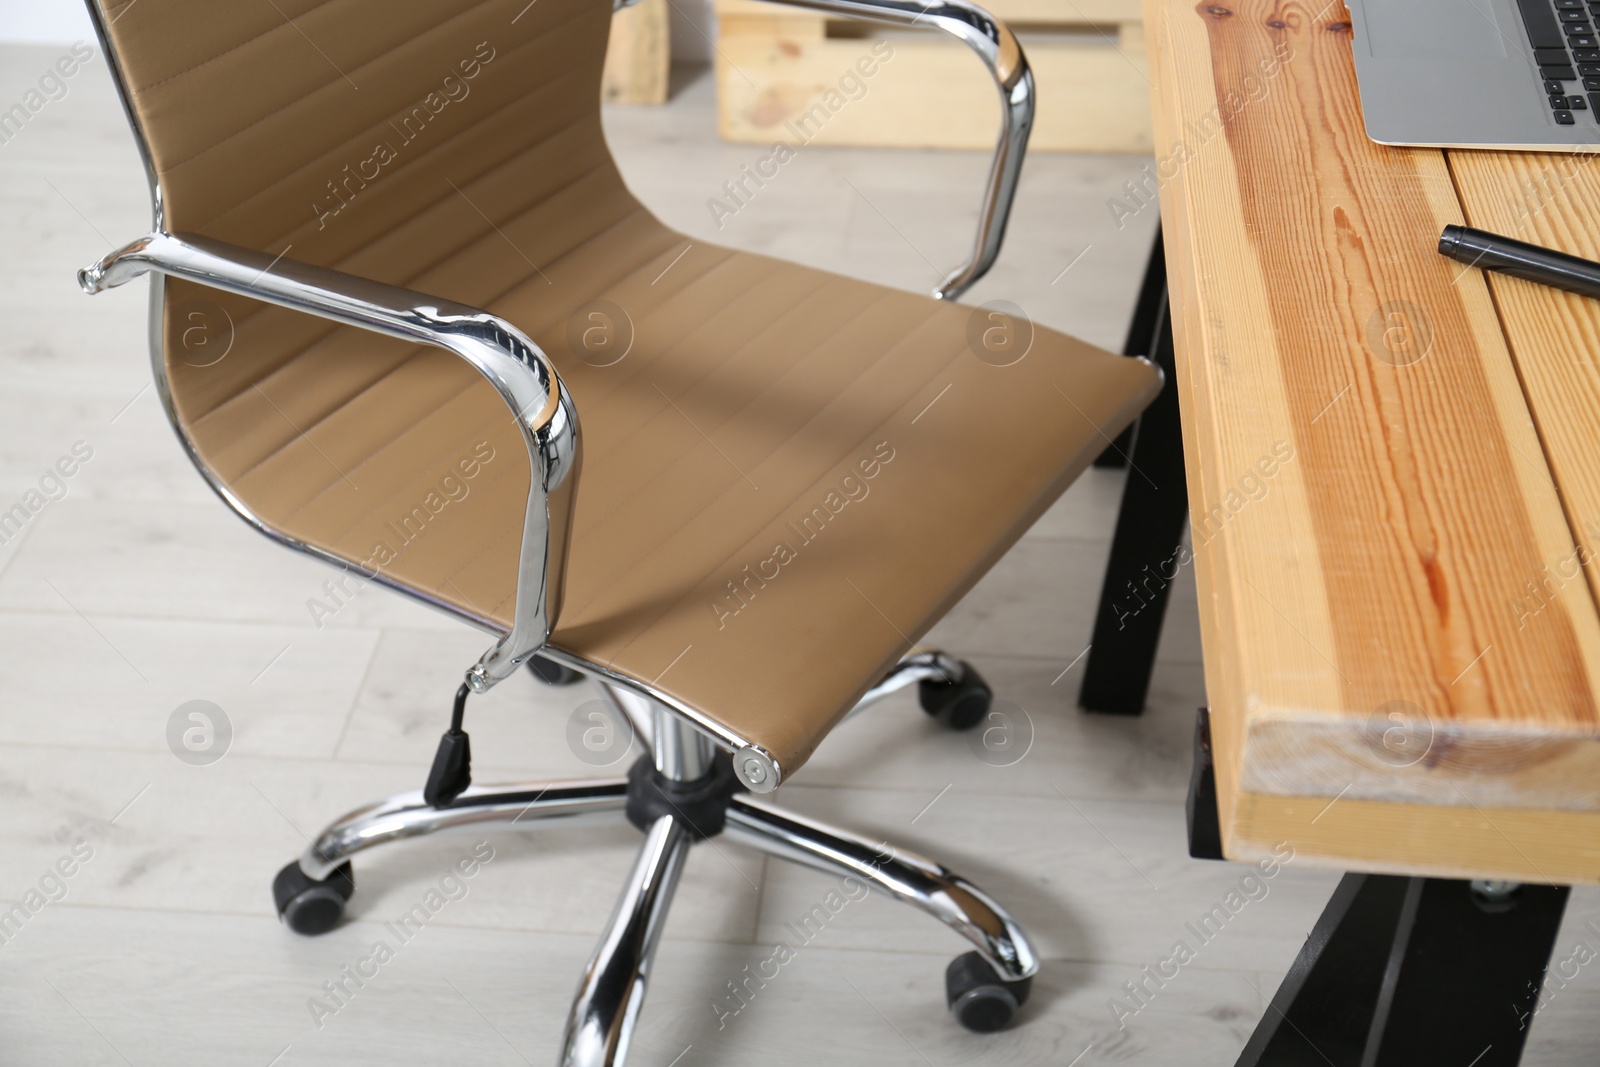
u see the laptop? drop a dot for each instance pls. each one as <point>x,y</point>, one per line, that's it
<point>1519,74</point>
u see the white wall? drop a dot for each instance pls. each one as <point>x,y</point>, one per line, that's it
<point>45,21</point>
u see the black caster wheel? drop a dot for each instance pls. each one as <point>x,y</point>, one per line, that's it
<point>311,907</point>
<point>959,705</point>
<point>550,672</point>
<point>982,1001</point>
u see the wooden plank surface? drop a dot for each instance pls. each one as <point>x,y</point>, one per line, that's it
<point>1369,493</point>
<point>775,65</point>
<point>1551,200</point>
<point>638,55</point>
<point>1014,12</point>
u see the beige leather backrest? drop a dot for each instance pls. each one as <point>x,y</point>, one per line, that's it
<point>351,133</point>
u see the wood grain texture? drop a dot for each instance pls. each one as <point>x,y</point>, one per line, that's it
<point>1359,598</point>
<point>1551,200</point>
<point>775,64</point>
<point>639,55</point>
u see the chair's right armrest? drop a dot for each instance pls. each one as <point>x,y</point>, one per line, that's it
<point>994,43</point>
<point>512,363</point>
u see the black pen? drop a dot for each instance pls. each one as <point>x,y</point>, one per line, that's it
<point>1490,251</point>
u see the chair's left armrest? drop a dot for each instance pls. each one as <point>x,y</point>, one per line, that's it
<point>997,46</point>
<point>513,364</point>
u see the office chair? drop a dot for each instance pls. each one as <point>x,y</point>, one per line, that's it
<point>783,478</point>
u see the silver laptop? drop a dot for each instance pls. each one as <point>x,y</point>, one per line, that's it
<point>1480,73</point>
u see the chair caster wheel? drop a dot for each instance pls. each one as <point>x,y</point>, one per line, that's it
<point>959,705</point>
<point>550,672</point>
<point>311,907</point>
<point>982,1001</point>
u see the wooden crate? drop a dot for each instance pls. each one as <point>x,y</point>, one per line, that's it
<point>775,63</point>
<point>638,57</point>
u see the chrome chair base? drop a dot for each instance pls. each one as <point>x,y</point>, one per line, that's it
<point>611,991</point>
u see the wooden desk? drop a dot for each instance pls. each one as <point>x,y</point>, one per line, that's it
<point>1393,464</point>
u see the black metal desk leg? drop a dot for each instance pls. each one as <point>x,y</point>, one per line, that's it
<point>1201,817</point>
<point>1141,339</point>
<point>1145,555</point>
<point>1406,971</point>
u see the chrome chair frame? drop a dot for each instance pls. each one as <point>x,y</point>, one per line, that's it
<point>682,742</point>
<point>611,993</point>
<point>503,354</point>
<point>518,369</point>
<point>995,44</point>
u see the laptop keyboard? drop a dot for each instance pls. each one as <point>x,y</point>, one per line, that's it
<point>1567,50</point>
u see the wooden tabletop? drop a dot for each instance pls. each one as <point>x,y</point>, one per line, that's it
<point>1393,460</point>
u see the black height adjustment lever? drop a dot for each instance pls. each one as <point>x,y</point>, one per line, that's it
<point>452,764</point>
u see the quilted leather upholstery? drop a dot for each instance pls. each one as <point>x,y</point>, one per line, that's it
<point>788,476</point>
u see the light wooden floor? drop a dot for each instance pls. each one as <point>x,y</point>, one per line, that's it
<point>138,591</point>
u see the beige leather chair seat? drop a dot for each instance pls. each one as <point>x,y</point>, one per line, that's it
<point>770,512</point>
<point>787,478</point>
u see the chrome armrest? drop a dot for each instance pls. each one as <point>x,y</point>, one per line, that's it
<point>512,363</point>
<point>997,46</point>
